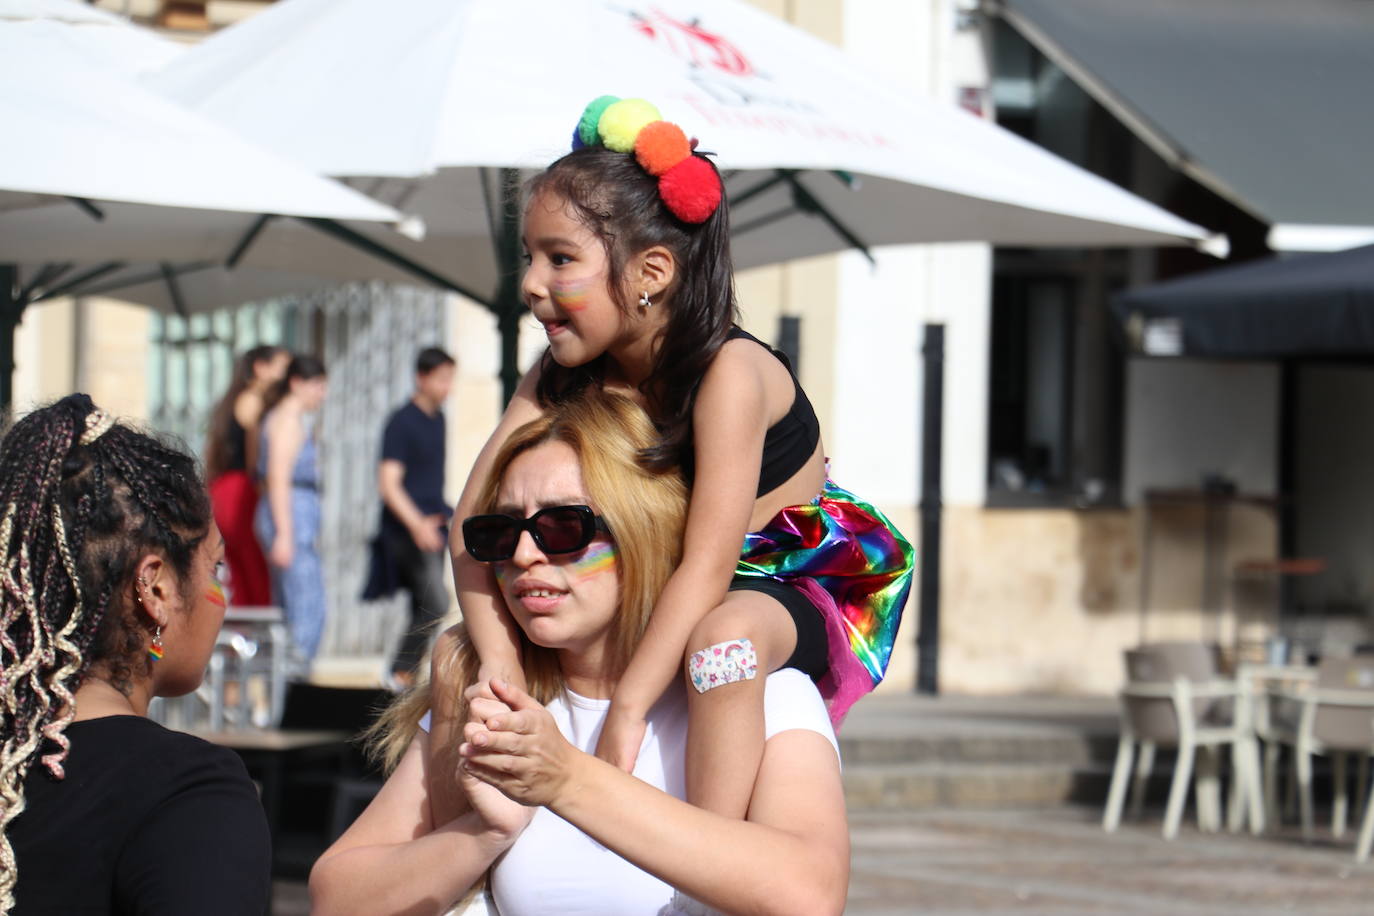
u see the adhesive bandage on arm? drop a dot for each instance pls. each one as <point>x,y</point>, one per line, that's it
<point>724,663</point>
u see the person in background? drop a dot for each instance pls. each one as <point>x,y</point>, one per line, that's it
<point>409,550</point>
<point>288,520</point>
<point>231,447</point>
<point>111,599</point>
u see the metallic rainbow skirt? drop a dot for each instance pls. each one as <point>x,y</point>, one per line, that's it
<point>850,561</point>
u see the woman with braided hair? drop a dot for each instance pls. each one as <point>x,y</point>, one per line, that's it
<point>108,598</point>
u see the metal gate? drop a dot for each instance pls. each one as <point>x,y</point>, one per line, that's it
<point>368,336</point>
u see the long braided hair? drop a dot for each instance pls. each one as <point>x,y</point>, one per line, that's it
<point>81,500</point>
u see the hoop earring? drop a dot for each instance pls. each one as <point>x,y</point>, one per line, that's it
<point>155,647</point>
<point>644,300</point>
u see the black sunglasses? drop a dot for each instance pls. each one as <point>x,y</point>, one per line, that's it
<point>557,529</point>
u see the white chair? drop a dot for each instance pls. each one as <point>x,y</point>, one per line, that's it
<point>1335,721</point>
<point>1174,697</point>
<point>1367,828</point>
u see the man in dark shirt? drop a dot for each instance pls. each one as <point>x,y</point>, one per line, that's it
<point>414,531</point>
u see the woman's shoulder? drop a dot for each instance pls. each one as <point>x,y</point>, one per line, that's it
<point>791,700</point>
<point>170,755</point>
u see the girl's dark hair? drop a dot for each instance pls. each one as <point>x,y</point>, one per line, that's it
<point>217,445</point>
<point>80,502</point>
<point>301,367</point>
<point>618,202</point>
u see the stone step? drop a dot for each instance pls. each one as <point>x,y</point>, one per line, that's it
<point>1052,747</point>
<point>913,786</point>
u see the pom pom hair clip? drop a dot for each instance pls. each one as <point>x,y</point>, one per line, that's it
<point>687,184</point>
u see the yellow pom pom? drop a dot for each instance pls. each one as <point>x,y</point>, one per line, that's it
<point>621,123</point>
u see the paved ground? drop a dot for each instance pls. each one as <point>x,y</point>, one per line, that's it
<point>1058,861</point>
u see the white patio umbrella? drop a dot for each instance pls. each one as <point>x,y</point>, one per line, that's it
<point>90,148</point>
<point>414,100</point>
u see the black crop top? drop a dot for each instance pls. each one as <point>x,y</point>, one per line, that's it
<point>237,458</point>
<point>789,443</point>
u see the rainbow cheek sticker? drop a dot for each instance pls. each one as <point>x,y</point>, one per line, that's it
<point>572,296</point>
<point>215,594</point>
<point>595,560</point>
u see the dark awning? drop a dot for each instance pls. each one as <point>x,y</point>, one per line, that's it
<point>1265,101</point>
<point>1303,305</point>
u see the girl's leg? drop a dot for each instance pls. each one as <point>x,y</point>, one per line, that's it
<point>729,657</point>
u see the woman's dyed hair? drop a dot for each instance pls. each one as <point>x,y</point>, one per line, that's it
<point>222,418</point>
<point>619,203</point>
<point>645,510</point>
<point>75,517</point>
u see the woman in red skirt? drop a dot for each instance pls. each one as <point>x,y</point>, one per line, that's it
<point>230,453</point>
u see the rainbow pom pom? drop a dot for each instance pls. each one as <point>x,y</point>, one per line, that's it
<point>621,123</point>
<point>591,114</point>
<point>660,146</point>
<point>691,190</point>
<point>687,184</point>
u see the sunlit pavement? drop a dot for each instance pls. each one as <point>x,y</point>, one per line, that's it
<point>1059,861</point>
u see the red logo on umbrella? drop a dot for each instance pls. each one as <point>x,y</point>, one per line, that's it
<point>694,44</point>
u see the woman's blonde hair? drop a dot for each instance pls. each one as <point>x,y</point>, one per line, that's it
<point>645,511</point>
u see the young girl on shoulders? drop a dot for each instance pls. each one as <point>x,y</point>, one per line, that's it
<point>629,273</point>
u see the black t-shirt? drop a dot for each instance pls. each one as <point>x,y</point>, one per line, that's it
<point>416,439</point>
<point>147,821</point>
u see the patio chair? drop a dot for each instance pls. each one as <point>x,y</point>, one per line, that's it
<point>1366,838</point>
<point>1335,721</point>
<point>1174,696</point>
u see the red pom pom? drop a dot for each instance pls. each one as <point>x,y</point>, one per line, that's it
<point>660,146</point>
<point>691,190</point>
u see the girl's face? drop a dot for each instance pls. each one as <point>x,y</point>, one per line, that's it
<point>189,636</point>
<point>567,283</point>
<point>562,601</point>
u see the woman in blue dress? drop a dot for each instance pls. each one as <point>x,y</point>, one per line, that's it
<point>288,520</point>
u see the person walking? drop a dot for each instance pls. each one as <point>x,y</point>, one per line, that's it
<point>408,552</point>
<point>231,451</point>
<point>288,520</point>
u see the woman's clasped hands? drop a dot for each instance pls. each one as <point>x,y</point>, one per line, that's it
<point>512,743</point>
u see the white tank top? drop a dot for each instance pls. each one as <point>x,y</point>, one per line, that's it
<point>555,868</point>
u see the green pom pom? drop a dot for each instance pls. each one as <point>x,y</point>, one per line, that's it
<point>621,123</point>
<point>586,125</point>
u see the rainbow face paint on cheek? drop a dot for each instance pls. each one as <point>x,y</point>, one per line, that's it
<point>215,594</point>
<point>599,557</point>
<point>572,295</point>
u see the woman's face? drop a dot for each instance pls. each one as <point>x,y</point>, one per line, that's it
<point>562,601</point>
<point>189,637</point>
<point>311,391</point>
<point>272,369</point>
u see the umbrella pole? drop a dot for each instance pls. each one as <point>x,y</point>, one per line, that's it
<point>11,309</point>
<point>509,305</point>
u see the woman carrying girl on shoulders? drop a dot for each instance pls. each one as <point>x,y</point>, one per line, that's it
<point>627,241</point>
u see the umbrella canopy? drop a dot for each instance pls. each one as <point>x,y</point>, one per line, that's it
<point>90,131</point>
<point>1303,305</point>
<point>99,168</point>
<point>419,95</point>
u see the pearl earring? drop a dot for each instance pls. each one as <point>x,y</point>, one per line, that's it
<point>644,300</point>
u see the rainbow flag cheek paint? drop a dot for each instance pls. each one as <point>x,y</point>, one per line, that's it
<point>215,594</point>
<point>599,557</point>
<point>572,296</point>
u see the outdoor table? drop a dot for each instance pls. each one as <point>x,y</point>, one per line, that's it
<point>266,752</point>
<point>260,629</point>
